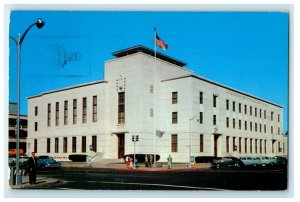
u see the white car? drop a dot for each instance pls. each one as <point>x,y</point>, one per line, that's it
<point>266,161</point>
<point>251,161</point>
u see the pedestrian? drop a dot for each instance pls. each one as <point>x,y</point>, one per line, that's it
<point>130,162</point>
<point>32,165</point>
<point>146,160</point>
<point>151,160</point>
<point>169,161</point>
<point>127,161</point>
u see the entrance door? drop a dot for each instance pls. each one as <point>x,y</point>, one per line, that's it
<point>121,142</point>
<point>216,145</point>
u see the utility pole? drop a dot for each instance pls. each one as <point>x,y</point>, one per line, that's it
<point>135,138</point>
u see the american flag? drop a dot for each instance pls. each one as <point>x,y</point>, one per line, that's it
<point>159,42</point>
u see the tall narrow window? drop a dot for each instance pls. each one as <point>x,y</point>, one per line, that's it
<point>245,109</point>
<point>256,146</point>
<point>201,143</point>
<point>56,113</point>
<point>240,124</point>
<point>260,113</point>
<point>278,131</point>
<point>174,143</point>
<point>174,97</point>
<point>151,112</point>
<point>48,145</point>
<point>240,145</point>
<point>94,143</point>
<point>260,146</point>
<point>233,144</point>
<point>214,119</point>
<point>233,123</point>
<point>233,106</point>
<point>49,115</point>
<point>94,108</point>
<point>227,144</point>
<point>245,125</point>
<point>251,143</point>
<point>36,111</point>
<point>84,104</point>
<point>35,126</point>
<point>250,110</point>
<point>255,112</point>
<point>174,117</point>
<point>271,129</point>
<point>260,128</point>
<point>227,122</point>
<point>278,118</point>
<point>56,145</point>
<point>265,114</point>
<point>83,144</point>
<point>214,101</point>
<point>151,88</point>
<point>201,98</point>
<point>35,145</point>
<point>227,104</point>
<point>272,114</point>
<point>201,117</point>
<point>65,145</point>
<point>265,128</point>
<point>74,111</point>
<point>74,144</point>
<point>240,108</point>
<point>255,127</point>
<point>265,146</point>
<point>246,149</point>
<point>66,113</point>
<point>121,108</point>
<point>250,126</point>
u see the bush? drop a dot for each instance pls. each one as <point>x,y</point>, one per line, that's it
<point>78,157</point>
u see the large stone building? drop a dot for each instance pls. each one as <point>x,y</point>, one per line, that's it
<point>172,111</point>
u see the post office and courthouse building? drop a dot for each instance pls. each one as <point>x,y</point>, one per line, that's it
<point>173,112</point>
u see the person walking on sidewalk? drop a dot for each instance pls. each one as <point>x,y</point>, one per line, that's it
<point>32,165</point>
<point>169,161</point>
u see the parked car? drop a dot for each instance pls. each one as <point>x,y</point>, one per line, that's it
<point>251,161</point>
<point>281,161</point>
<point>267,161</point>
<point>47,162</point>
<point>23,161</point>
<point>227,162</point>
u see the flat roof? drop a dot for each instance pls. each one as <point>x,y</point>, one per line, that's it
<point>67,88</point>
<point>223,86</point>
<point>148,51</point>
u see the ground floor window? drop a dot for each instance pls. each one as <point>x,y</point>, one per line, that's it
<point>56,145</point>
<point>48,145</point>
<point>74,144</point>
<point>65,145</point>
<point>94,143</point>
<point>35,145</point>
<point>174,143</point>
<point>83,144</point>
<point>201,143</point>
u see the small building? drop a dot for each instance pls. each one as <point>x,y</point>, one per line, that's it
<point>172,110</point>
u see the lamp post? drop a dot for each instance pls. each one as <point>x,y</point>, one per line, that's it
<point>190,140</point>
<point>39,24</point>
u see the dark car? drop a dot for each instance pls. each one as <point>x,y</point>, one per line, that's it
<point>227,162</point>
<point>44,162</point>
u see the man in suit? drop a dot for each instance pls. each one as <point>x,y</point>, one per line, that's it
<point>32,165</point>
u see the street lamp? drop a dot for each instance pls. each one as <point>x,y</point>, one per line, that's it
<point>39,24</point>
<point>190,140</point>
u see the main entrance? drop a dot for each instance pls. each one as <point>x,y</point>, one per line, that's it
<point>216,137</point>
<point>121,143</point>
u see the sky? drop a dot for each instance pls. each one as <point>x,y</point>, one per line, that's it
<point>247,51</point>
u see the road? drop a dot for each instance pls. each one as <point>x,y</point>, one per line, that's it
<point>198,179</point>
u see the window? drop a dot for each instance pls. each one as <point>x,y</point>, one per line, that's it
<point>74,144</point>
<point>151,88</point>
<point>66,113</point>
<point>271,129</point>
<point>272,114</point>
<point>255,127</point>
<point>245,109</point>
<point>251,151</point>
<point>265,146</point>
<point>245,125</point>
<point>65,144</point>
<point>214,119</point>
<point>56,145</point>
<point>250,110</point>
<point>265,128</point>
<point>48,145</point>
<point>240,124</point>
<point>240,108</point>
<point>36,111</point>
<point>250,126</point>
<point>94,143</point>
<point>278,131</point>
<point>227,122</point>
<point>246,149</point>
<point>174,97</point>
<point>260,113</point>
<point>227,144</point>
<point>121,108</point>
<point>201,98</point>
<point>260,128</point>
<point>174,143</point>
<point>151,112</point>
<point>84,110</point>
<point>265,114</point>
<point>74,111</point>
<point>35,145</point>
<point>255,112</point>
<point>94,108</point>
<point>233,106</point>
<point>278,118</point>
<point>56,113</point>
<point>214,101</point>
<point>201,143</point>
<point>233,123</point>
<point>240,145</point>
<point>83,144</point>
<point>174,117</point>
<point>260,146</point>
<point>255,145</point>
<point>35,126</point>
<point>233,144</point>
<point>227,104</point>
<point>49,115</point>
<point>201,117</point>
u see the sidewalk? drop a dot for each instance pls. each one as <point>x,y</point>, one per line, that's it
<point>40,181</point>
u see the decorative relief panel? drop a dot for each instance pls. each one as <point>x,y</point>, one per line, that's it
<point>121,84</point>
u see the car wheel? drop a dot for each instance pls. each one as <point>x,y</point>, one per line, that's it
<point>237,165</point>
<point>218,166</point>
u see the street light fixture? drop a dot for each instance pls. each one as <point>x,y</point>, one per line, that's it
<point>39,24</point>
<point>190,140</point>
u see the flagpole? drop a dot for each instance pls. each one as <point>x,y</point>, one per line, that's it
<point>155,90</point>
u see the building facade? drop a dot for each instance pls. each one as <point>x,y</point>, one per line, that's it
<point>172,111</point>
